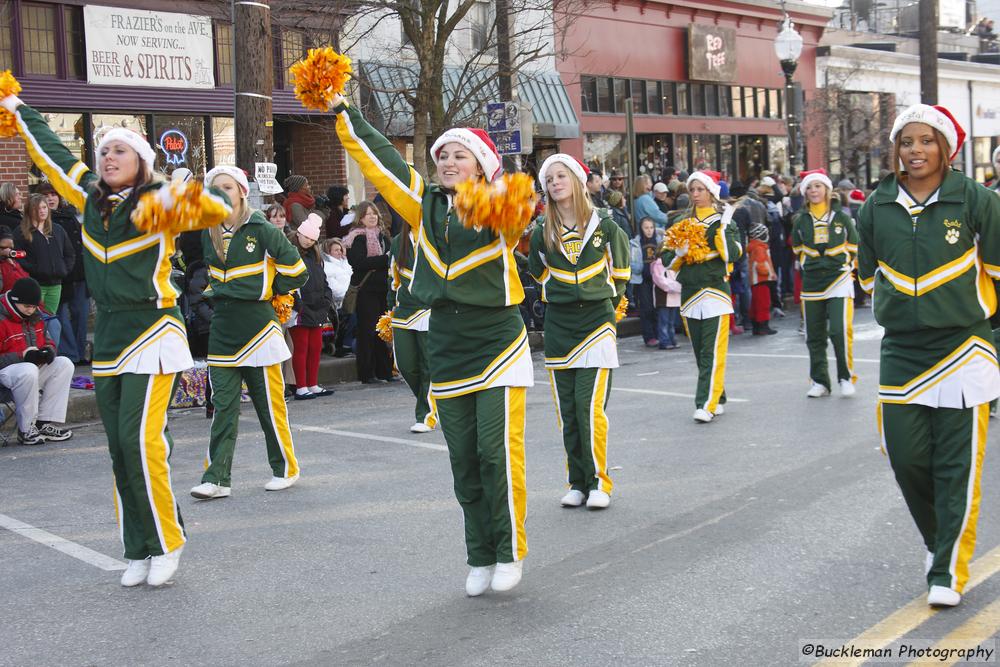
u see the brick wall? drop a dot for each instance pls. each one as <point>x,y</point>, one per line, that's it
<point>318,155</point>
<point>14,162</point>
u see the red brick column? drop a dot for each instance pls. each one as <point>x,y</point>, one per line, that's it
<point>14,162</point>
<point>318,155</point>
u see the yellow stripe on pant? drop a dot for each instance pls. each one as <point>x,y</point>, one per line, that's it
<point>966,542</point>
<point>718,364</point>
<point>517,493</point>
<point>849,336</point>
<point>599,429</point>
<point>155,450</point>
<point>275,384</point>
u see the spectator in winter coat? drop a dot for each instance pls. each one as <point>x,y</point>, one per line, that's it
<point>338,270</point>
<point>644,206</point>
<point>50,256</point>
<point>595,188</point>
<point>74,300</point>
<point>616,205</point>
<point>11,203</point>
<point>312,305</point>
<point>38,379</point>
<point>198,315</point>
<point>667,298</point>
<point>10,270</point>
<point>299,201</point>
<point>339,206</point>
<point>368,253</point>
<point>644,248</point>
<point>664,200</point>
<point>762,274</point>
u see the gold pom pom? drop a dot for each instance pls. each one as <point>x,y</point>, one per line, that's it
<point>320,76</point>
<point>173,208</point>
<point>620,310</point>
<point>688,233</point>
<point>8,121</point>
<point>282,304</point>
<point>384,326</point>
<point>506,206</point>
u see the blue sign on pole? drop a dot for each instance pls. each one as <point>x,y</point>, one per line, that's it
<point>503,124</point>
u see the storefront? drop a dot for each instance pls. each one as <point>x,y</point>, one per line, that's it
<point>705,87</point>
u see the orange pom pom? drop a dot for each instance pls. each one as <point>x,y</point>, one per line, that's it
<point>688,233</point>
<point>620,310</point>
<point>173,208</point>
<point>320,76</point>
<point>384,326</point>
<point>506,206</point>
<point>282,304</point>
<point>8,86</point>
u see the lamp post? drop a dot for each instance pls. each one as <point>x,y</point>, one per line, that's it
<point>788,48</point>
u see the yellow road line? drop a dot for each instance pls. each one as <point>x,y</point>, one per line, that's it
<point>914,613</point>
<point>968,635</point>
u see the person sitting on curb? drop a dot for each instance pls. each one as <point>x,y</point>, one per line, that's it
<point>30,368</point>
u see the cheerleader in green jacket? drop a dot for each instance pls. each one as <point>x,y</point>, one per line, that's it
<point>410,320</point>
<point>139,339</point>
<point>249,261</point>
<point>706,301</point>
<point>826,241</point>
<point>930,250</point>
<point>580,256</point>
<point>480,363</point>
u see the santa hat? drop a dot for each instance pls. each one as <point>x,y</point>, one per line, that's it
<point>996,155</point>
<point>133,140</point>
<point>478,142</point>
<point>937,117</point>
<point>710,179</point>
<point>576,167</point>
<point>235,173</point>
<point>814,176</point>
<point>856,195</point>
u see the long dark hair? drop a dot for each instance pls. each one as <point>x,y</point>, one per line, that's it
<point>103,191</point>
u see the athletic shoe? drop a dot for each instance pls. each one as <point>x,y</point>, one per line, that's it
<point>847,388</point>
<point>136,573</point>
<point>478,581</point>
<point>52,433</point>
<point>777,312</point>
<point>420,427</point>
<point>817,390</point>
<point>280,483</point>
<point>653,342</point>
<point>598,500</point>
<point>703,416</point>
<point>32,437</point>
<point>506,576</point>
<point>928,562</point>
<point>209,490</point>
<point>573,498</point>
<point>162,568</point>
<point>720,409</point>
<point>941,596</point>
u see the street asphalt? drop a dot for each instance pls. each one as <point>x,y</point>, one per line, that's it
<point>732,543</point>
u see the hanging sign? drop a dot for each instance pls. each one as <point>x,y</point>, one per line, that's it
<point>711,53</point>
<point>174,145</point>
<point>265,173</point>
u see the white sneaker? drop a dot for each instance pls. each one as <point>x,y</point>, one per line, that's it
<point>280,483</point>
<point>506,576</point>
<point>598,500</point>
<point>703,416</point>
<point>817,390</point>
<point>941,596</point>
<point>573,499</point>
<point>847,388</point>
<point>162,568</point>
<point>719,410</point>
<point>136,572</point>
<point>420,427</point>
<point>928,562</point>
<point>478,581</point>
<point>209,490</point>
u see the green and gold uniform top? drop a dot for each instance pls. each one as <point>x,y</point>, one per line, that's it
<point>705,289</point>
<point>408,312</point>
<point>468,277</point>
<point>260,262</point>
<point>826,243</point>
<point>139,328</point>
<point>932,267</point>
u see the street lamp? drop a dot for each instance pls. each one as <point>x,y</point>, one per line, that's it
<point>788,48</point>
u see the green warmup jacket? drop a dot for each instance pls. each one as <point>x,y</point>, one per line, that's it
<point>408,312</point>
<point>476,338</point>
<point>931,267</point>
<point>260,263</point>
<point>826,249</point>
<point>705,289</point>
<point>138,328</point>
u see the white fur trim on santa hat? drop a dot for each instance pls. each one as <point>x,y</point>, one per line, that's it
<point>814,178</point>
<point>133,140</point>
<point>707,181</point>
<point>928,115</point>
<point>488,159</point>
<point>568,161</point>
<point>996,155</point>
<point>235,173</point>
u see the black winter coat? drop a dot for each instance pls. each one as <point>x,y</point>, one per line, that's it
<point>49,259</point>
<point>313,301</point>
<point>65,217</point>
<point>378,267</point>
<point>10,218</point>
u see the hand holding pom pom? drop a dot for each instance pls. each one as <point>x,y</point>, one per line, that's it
<point>172,208</point>
<point>282,304</point>
<point>320,78</point>
<point>620,310</point>
<point>384,326</point>
<point>505,206</point>
<point>687,240</point>
<point>9,88</point>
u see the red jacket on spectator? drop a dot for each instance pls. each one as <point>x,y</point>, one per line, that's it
<point>10,273</point>
<point>18,333</point>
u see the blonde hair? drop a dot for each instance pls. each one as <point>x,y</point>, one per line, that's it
<point>239,215</point>
<point>829,197</point>
<point>583,209</point>
<point>31,215</point>
<point>639,187</point>
<point>8,192</point>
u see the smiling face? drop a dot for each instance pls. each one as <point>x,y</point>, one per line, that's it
<point>455,164</point>
<point>700,196</point>
<point>118,165</point>
<point>370,219</point>
<point>335,250</point>
<point>559,183</point>
<point>919,149</point>
<point>817,193</point>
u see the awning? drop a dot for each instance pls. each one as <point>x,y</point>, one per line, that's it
<point>383,89</point>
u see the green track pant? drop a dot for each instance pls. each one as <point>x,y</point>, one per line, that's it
<point>266,388</point>
<point>410,352</point>
<point>485,435</point>
<point>134,412</point>
<point>831,319</point>
<point>710,342</point>
<point>581,396</point>
<point>937,456</point>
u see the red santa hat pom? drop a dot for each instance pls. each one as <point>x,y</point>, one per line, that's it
<point>478,142</point>
<point>814,176</point>
<point>937,117</point>
<point>578,168</point>
<point>857,195</point>
<point>710,179</point>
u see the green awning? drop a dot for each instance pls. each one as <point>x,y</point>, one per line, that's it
<point>383,89</point>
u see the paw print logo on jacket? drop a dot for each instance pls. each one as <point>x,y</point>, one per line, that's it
<point>951,236</point>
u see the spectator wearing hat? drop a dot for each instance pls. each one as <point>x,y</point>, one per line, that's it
<point>616,205</point>
<point>299,200</point>
<point>29,367</point>
<point>664,198</point>
<point>644,205</point>
<point>368,252</point>
<point>74,300</point>
<point>762,273</point>
<point>312,305</point>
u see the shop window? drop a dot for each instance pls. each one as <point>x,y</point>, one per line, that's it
<point>774,103</point>
<point>223,141</point>
<point>604,152</point>
<point>6,25</point>
<point>654,154</point>
<point>638,96</point>
<point>726,101</point>
<point>668,96</point>
<point>224,54</point>
<point>777,154</point>
<point>681,144</point>
<point>682,104</point>
<point>100,123</point>
<point>711,100</point>
<point>604,96</point>
<point>38,35</point>
<point>292,50</point>
<point>727,164</point>
<point>761,108</point>
<point>704,151</point>
<point>180,142</point>
<point>619,94</point>
<point>69,127</point>
<point>697,99</point>
<point>654,97</point>
<point>73,28</point>
<point>588,94</point>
